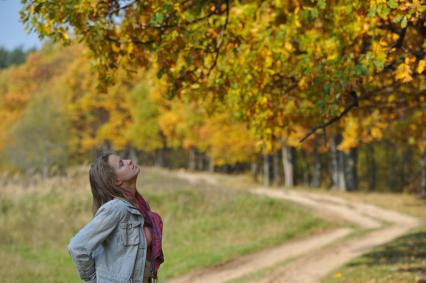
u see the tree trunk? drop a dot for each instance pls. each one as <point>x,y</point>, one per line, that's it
<point>289,159</point>
<point>45,163</point>
<point>316,168</point>
<point>305,173</point>
<point>277,172</point>
<point>423,175</point>
<point>337,164</point>
<point>334,162</point>
<point>228,169</point>
<point>254,170</point>
<point>407,161</point>
<point>267,170</point>
<point>106,146</point>
<point>192,164</point>
<point>199,160</point>
<point>210,166</point>
<point>160,159</point>
<point>256,167</point>
<point>133,155</point>
<point>351,170</point>
<point>341,171</point>
<point>371,168</point>
<point>391,170</point>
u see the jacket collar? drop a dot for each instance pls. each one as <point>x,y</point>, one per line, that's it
<point>130,206</point>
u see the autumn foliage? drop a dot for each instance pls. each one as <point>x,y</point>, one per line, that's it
<point>227,80</point>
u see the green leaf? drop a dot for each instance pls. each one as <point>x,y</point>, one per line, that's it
<point>404,22</point>
<point>314,12</point>
<point>392,4</point>
<point>326,90</point>
<point>397,19</point>
<point>361,70</point>
<point>321,105</point>
<point>372,12</point>
<point>379,64</point>
<point>383,11</point>
<point>280,35</point>
<point>157,19</point>
<point>348,9</point>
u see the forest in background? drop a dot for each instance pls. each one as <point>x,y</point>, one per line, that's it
<point>230,87</point>
<point>53,117</point>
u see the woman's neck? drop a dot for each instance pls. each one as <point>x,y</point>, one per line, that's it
<point>130,188</point>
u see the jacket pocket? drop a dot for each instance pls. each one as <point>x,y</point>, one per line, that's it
<point>130,233</point>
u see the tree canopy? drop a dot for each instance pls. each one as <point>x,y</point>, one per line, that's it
<point>276,64</point>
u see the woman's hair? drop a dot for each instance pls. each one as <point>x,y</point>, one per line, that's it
<point>102,182</point>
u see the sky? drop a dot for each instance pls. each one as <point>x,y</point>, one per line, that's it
<point>12,33</point>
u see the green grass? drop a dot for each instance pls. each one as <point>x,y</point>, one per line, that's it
<point>401,260</point>
<point>202,225</point>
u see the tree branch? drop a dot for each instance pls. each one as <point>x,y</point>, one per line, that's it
<point>222,35</point>
<point>119,8</point>
<point>323,126</point>
<point>400,41</point>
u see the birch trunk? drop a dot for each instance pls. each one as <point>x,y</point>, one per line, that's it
<point>288,165</point>
<point>337,164</point>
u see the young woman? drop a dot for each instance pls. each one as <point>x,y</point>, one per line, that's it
<point>122,243</point>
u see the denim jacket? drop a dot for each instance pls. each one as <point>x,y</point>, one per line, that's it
<point>111,248</point>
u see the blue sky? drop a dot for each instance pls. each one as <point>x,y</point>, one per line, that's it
<point>12,32</point>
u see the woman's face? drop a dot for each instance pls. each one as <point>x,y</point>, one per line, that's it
<point>125,170</point>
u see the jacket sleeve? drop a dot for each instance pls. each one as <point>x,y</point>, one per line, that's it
<point>90,237</point>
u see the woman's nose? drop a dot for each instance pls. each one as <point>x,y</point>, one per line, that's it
<point>130,162</point>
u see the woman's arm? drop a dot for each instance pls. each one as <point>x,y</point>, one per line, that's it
<point>90,237</point>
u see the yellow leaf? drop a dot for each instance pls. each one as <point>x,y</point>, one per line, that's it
<point>268,62</point>
<point>421,66</point>
<point>376,133</point>
<point>288,46</point>
<point>391,98</point>
<point>130,48</point>
<point>403,73</point>
<point>409,60</point>
<point>302,83</point>
<point>115,48</point>
<point>338,275</point>
<point>177,7</point>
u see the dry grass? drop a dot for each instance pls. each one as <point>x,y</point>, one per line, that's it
<point>202,226</point>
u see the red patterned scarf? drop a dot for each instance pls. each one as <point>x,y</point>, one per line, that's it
<point>154,221</point>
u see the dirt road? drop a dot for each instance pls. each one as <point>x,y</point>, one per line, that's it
<point>307,260</point>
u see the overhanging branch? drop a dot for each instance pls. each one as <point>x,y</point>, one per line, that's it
<point>323,126</point>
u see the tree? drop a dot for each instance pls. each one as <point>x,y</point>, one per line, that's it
<point>16,56</point>
<point>39,140</point>
<point>328,54</point>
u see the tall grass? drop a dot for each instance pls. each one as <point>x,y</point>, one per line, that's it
<point>202,225</point>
